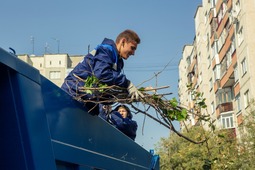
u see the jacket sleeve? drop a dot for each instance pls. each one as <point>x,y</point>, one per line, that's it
<point>103,69</point>
<point>102,113</point>
<point>125,125</point>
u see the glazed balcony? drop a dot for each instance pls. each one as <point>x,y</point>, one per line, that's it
<point>228,79</point>
<point>224,107</point>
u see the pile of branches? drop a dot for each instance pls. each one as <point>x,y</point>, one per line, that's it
<point>166,110</point>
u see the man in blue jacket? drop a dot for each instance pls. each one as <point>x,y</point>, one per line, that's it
<point>106,63</point>
<point>121,118</point>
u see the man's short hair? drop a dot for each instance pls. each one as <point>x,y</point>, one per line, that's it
<point>129,35</point>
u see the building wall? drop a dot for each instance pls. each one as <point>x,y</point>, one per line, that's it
<point>187,54</point>
<point>224,43</point>
<point>26,59</point>
<point>55,67</point>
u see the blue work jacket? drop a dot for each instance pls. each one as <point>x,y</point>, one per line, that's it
<point>104,63</point>
<point>125,125</point>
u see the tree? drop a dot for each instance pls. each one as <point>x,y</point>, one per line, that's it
<point>221,151</point>
<point>246,144</point>
<point>216,153</point>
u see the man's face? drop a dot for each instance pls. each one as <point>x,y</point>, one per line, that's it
<point>128,49</point>
<point>123,112</point>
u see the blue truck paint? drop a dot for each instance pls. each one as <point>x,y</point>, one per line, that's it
<point>43,128</point>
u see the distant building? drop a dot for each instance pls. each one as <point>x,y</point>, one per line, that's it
<point>220,63</point>
<point>55,67</point>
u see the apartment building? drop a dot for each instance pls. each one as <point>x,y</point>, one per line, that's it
<point>220,61</point>
<point>54,67</point>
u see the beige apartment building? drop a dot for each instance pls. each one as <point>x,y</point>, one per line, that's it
<point>220,62</point>
<point>54,67</point>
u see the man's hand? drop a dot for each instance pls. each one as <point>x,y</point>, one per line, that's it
<point>134,92</point>
<point>107,108</point>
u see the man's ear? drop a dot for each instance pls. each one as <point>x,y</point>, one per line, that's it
<point>123,40</point>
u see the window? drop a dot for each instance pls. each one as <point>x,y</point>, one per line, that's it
<point>236,73</point>
<point>209,61</point>
<point>237,6</point>
<point>211,84</point>
<point>228,25</point>
<point>200,78</point>
<point>214,26</point>
<point>59,62</point>
<point>190,77</point>
<point>205,18</point>
<point>222,39</point>
<point>54,74</point>
<point>188,60</point>
<point>208,42</point>
<point>240,36</point>
<point>224,8</point>
<point>224,96</point>
<point>227,121</point>
<point>190,97</point>
<point>40,64</point>
<point>238,103</point>
<point>213,3</point>
<point>233,45</point>
<point>195,69</point>
<point>246,99</point>
<point>216,72</point>
<point>244,66</point>
<point>223,67</point>
<point>220,15</point>
<point>193,120</point>
<point>215,49</point>
<point>212,107</point>
<point>199,58</point>
<point>229,58</point>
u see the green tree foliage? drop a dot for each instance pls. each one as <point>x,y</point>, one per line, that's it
<point>246,145</point>
<point>222,150</point>
<point>216,153</point>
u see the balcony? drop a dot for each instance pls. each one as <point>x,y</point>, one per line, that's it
<point>224,107</point>
<point>212,14</point>
<point>214,26</point>
<point>216,85</point>
<point>228,79</point>
<point>227,43</point>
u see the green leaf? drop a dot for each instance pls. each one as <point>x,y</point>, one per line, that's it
<point>93,81</point>
<point>173,102</point>
<point>141,89</point>
<point>88,91</point>
<point>221,136</point>
<point>184,113</point>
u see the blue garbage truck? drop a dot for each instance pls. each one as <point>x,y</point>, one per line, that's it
<point>43,128</point>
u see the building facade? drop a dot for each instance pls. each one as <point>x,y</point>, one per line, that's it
<point>220,61</point>
<point>54,67</point>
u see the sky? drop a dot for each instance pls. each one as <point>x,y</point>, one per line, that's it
<point>74,27</point>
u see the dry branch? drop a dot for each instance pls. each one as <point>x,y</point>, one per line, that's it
<point>162,107</point>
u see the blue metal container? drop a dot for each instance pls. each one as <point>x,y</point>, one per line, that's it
<point>43,128</point>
